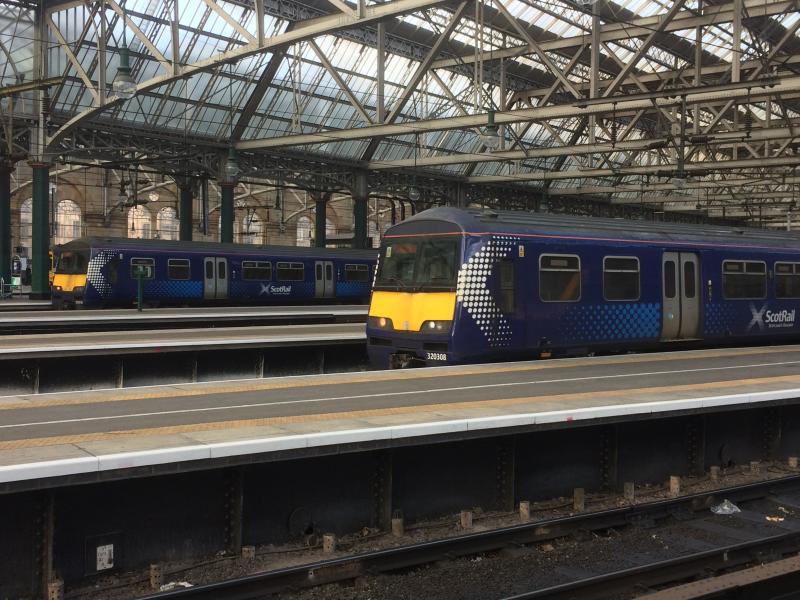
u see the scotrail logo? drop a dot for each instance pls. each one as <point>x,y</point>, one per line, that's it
<point>275,290</point>
<point>763,318</point>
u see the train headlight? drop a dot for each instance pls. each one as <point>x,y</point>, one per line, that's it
<point>380,323</point>
<point>436,327</point>
<point>57,288</point>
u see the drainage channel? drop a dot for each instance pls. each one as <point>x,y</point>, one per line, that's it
<point>416,555</point>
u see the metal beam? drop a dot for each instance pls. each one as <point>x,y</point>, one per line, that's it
<point>723,139</point>
<point>668,98</point>
<point>420,71</point>
<point>613,32</point>
<point>660,171</point>
<point>631,64</point>
<point>305,30</point>
<point>334,73</point>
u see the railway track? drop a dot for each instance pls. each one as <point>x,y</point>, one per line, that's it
<point>597,586</point>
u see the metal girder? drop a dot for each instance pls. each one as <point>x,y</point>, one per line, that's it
<point>669,98</point>
<point>641,145</point>
<point>613,32</point>
<point>340,82</point>
<point>416,77</point>
<point>631,64</point>
<point>655,186</point>
<point>664,170</point>
<point>303,31</point>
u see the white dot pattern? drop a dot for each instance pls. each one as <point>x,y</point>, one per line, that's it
<point>475,295</point>
<point>94,274</point>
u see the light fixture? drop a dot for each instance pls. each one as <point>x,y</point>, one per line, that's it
<point>413,193</point>
<point>490,137</point>
<point>124,85</point>
<point>153,196</point>
<point>231,165</point>
<point>679,181</point>
<point>123,195</point>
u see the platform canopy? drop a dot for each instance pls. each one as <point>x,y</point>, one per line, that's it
<point>687,107</point>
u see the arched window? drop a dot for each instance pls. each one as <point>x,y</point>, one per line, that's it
<point>330,228</point>
<point>252,229</point>
<point>167,223</point>
<point>140,225</point>
<point>68,222</point>
<point>26,224</point>
<point>304,231</point>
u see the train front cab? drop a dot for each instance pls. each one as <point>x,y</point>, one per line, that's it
<point>69,278</point>
<point>411,314</point>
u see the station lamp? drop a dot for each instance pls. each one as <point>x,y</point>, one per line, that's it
<point>124,85</point>
<point>231,167</point>
<point>490,136</point>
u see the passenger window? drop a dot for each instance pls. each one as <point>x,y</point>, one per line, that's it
<point>256,270</point>
<point>221,269</point>
<point>669,279</point>
<point>787,280</point>
<point>356,273</point>
<point>621,278</point>
<point>178,268</point>
<point>209,269</point>
<point>291,271</point>
<point>145,262</point>
<point>507,285</point>
<point>689,279</point>
<point>744,279</point>
<point>559,278</point>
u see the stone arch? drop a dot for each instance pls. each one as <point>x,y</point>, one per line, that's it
<point>167,223</point>
<point>68,224</point>
<point>304,229</point>
<point>140,223</point>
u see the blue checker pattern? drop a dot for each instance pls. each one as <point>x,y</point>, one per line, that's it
<point>174,289</point>
<point>721,318</point>
<point>617,321</point>
<point>352,289</point>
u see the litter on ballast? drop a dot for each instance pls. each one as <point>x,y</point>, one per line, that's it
<point>726,507</point>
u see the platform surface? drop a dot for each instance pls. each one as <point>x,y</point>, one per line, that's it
<point>61,434</point>
<point>175,340</point>
<point>37,320</point>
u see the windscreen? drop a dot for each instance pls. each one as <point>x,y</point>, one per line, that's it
<point>419,264</point>
<point>71,262</point>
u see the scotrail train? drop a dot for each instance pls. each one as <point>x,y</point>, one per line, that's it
<point>101,272</point>
<point>457,286</point>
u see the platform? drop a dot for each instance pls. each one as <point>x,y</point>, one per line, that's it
<point>176,340</point>
<point>37,321</point>
<point>104,433</point>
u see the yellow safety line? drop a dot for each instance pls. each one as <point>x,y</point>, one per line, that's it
<point>399,410</point>
<point>175,391</point>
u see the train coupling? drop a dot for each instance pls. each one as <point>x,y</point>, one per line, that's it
<point>405,360</point>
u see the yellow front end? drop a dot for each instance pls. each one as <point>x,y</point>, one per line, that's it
<point>410,328</point>
<point>409,310</point>
<point>68,288</point>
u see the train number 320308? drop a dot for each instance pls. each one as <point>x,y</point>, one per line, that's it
<point>436,356</point>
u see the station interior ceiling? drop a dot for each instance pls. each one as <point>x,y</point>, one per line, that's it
<point>684,111</point>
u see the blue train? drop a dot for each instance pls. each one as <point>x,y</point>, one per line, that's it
<point>101,272</point>
<point>456,286</point>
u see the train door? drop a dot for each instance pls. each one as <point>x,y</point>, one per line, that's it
<point>680,296</point>
<point>215,280</point>
<point>323,276</point>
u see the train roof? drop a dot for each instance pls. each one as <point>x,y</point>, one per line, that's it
<point>477,221</point>
<point>211,247</point>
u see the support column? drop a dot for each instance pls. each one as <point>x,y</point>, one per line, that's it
<point>5,220</point>
<point>226,214</point>
<point>360,199</point>
<point>320,209</point>
<point>40,247</point>
<point>185,211</point>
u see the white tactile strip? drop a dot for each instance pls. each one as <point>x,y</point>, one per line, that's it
<point>210,451</point>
